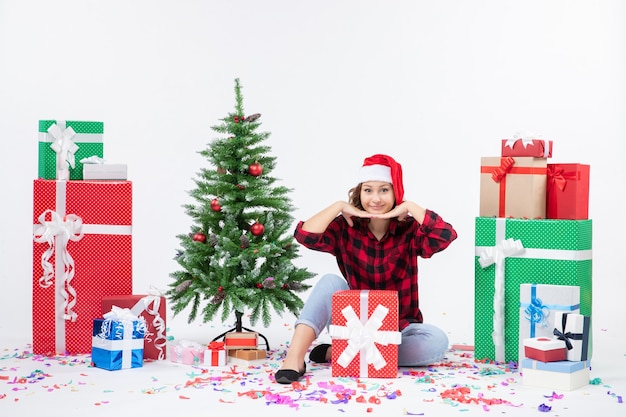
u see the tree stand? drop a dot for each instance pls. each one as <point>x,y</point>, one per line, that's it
<point>239,327</point>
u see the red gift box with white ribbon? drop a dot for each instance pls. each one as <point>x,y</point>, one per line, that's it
<point>150,307</point>
<point>365,334</point>
<point>82,252</point>
<point>526,146</point>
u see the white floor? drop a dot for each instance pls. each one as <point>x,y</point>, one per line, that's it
<point>69,386</point>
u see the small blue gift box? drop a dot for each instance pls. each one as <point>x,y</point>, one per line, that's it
<point>117,344</point>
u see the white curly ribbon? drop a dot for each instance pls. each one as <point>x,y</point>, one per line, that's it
<point>151,304</point>
<point>57,232</point>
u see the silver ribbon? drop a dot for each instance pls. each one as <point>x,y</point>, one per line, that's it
<point>64,147</point>
<point>57,233</point>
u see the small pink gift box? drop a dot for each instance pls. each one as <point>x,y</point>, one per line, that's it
<point>187,352</point>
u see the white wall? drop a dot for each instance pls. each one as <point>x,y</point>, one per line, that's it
<point>435,84</point>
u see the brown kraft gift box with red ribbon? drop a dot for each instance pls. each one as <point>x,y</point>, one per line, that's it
<point>568,192</point>
<point>241,340</point>
<point>248,354</point>
<point>82,252</point>
<point>152,309</point>
<point>513,187</point>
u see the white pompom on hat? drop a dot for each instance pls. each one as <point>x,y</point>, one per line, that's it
<point>383,168</point>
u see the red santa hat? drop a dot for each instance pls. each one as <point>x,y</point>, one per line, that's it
<point>384,168</point>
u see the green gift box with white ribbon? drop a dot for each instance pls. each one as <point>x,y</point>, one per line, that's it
<point>63,144</point>
<point>510,252</point>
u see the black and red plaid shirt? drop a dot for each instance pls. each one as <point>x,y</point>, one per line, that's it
<point>388,264</point>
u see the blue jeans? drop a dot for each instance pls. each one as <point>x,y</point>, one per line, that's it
<point>422,344</point>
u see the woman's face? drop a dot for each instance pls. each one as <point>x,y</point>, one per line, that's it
<point>377,197</point>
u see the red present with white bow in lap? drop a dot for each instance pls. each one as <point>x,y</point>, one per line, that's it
<point>365,334</point>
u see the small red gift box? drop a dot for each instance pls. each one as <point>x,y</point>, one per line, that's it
<point>152,309</point>
<point>365,334</point>
<point>82,252</point>
<point>538,148</point>
<point>241,340</point>
<point>513,187</point>
<point>215,355</point>
<point>545,349</point>
<point>567,196</point>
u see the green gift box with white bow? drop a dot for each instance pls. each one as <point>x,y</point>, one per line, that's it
<point>66,143</point>
<point>510,252</point>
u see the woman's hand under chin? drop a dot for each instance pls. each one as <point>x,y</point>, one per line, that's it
<point>350,211</point>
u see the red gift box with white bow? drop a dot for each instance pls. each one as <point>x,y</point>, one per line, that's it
<point>150,307</point>
<point>364,332</point>
<point>523,146</point>
<point>82,252</point>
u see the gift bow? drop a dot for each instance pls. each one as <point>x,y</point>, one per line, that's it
<point>216,345</point>
<point>506,248</point>
<point>497,255</point>
<point>190,344</point>
<point>525,137</point>
<point>536,312</point>
<point>63,229</point>
<point>566,336</point>
<point>119,313</point>
<point>63,144</point>
<point>505,166</point>
<point>363,337</point>
<point>558,177</point>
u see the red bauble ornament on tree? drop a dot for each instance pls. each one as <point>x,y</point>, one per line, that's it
<point>199,237</point>
<point>257,229</point>
<point>215,205</point>
<point>255,169</point>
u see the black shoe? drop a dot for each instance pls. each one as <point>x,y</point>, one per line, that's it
<point>287,376</point>
<point>318,354</point>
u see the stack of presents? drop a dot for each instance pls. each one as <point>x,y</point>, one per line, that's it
<point>82,256</point>
<point>533,265</point>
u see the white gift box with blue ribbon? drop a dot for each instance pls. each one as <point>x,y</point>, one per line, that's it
<point>539,304</point>
<point>118,340</point>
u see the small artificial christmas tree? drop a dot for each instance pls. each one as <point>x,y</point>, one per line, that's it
<point>238,255</point>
